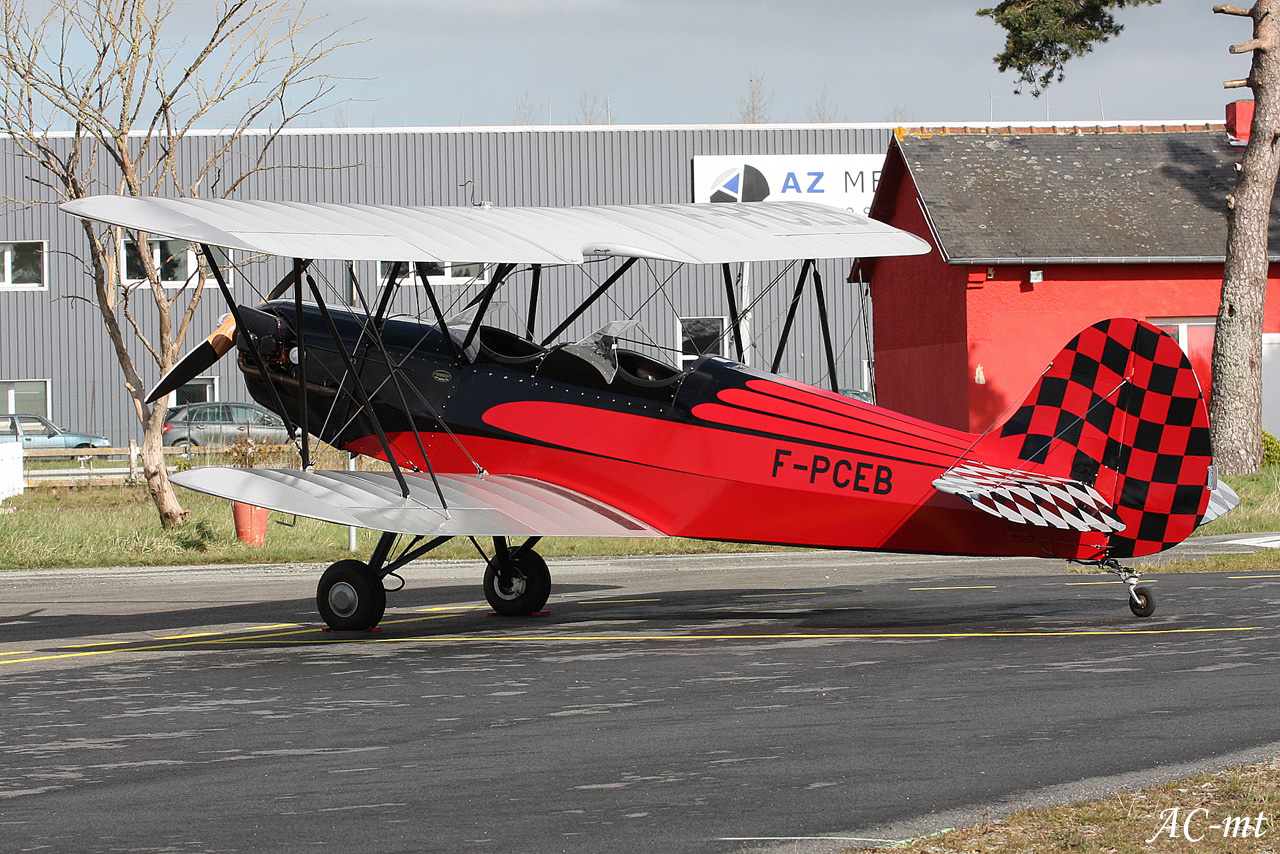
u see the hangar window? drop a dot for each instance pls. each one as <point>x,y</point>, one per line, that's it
<point>1195,335</point>
<point>702,336</point>
<point>30,397</point>
<point>199,390</point>
<point>177,261</point>
<point>23,266</point>
<point>445,273</point>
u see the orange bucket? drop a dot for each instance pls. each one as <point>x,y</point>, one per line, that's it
<point>251,523</point>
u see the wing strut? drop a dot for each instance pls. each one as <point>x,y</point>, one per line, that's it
<point>533,299</point>
<point>388,290</point>
<point>486,297</point>
<point>393,372</point>
<point>791,315</point>
<point>734,320</point>
<point>358,389</point>
<point>435,307</point>
<point>589,301</point>
<point>303,403</point>
<point>826,330</point>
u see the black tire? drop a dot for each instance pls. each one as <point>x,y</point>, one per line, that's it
<point>349,598</point>
<point>525,591</point>
<point>1142,602</point>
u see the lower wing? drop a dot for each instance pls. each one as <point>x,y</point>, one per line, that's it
<point>489,505</point>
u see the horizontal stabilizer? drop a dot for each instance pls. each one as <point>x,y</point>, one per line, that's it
<point>1030,499</point>
<point>492,505</point>
<point>1222,498</point>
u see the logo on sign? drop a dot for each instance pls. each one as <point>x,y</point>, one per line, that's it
<point>745,184</point>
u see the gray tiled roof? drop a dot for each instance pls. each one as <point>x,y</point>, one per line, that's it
<point>1085,197</point>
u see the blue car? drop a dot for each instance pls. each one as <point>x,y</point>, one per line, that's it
<point>35,431</point>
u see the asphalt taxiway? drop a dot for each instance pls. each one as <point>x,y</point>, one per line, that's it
<point>784,701</point>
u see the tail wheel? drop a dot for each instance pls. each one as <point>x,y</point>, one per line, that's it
<point>1142,602</point>
<point>517,584</point>
<point>350,598</point>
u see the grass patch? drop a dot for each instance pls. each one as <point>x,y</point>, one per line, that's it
<point>1265,560</point>
<point>1125,821</point>
<point>1259,508</point>
<point>118,526</point>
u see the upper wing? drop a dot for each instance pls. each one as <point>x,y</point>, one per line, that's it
<point>690,233</point>
<point>1032,499</point>
<point>493,505</point>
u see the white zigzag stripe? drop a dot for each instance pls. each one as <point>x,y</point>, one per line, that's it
<point>1032,499</point>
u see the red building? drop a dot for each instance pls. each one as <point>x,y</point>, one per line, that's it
<point>1038,234</point>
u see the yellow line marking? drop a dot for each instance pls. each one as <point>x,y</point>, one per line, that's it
<point>455,608</point>
<point>1087,583</point>
<point>275,626</point>
<point>788,636</point>
<point>414,619</point>
<point>155,647</point>
<point>17,652</point>
<point>976,587</point>
<point>613,601</point>
<point>99,643</point>
<point>772,595</point>
<point>1277,575</point>
<point>192,635</point>
<point>358,637</point>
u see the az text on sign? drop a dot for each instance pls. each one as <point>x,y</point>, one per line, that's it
<point>841,180</point>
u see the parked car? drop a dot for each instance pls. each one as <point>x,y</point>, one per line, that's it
<point>222,424</point>
<point>35,431</point>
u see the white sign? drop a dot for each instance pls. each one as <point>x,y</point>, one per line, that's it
<point>841,180</point>
<point>11,481</point>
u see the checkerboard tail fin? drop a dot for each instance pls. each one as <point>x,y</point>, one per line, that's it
<point>1119,411</point>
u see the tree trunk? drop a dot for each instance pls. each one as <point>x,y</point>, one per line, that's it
<point>1236,407</point>
<point>157,476</point>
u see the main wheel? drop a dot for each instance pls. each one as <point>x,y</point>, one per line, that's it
<point>350,598</point>
<point>521,590</point>
<point>1142,602</point>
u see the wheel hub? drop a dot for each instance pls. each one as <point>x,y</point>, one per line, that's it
<point>343,599</point>
<point>510,587</point>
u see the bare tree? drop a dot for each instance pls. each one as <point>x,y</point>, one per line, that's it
<point>594,110</point>
<point>823,109</point>
<point>526,112</point>
<point>1041,38</point>
<point>125,80</point>
<point>898,113</point>
<point>753,108</point>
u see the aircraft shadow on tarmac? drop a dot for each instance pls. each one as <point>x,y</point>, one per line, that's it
<point>577,608</point>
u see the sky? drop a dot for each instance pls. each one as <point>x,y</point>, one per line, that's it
<point>420,63</point>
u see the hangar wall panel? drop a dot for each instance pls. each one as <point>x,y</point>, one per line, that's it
<point>57,334</point>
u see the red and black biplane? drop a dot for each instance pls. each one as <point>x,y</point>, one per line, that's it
<point>492,433</point>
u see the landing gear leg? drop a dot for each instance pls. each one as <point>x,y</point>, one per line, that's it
<point>1142,602</point>
<point>516,580</point>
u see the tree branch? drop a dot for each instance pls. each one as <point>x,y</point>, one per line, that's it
<point>1252,44</point>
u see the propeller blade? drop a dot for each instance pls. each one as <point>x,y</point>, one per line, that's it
<point>198,360</point>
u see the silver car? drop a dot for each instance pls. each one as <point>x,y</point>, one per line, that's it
<point>221,424</point>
